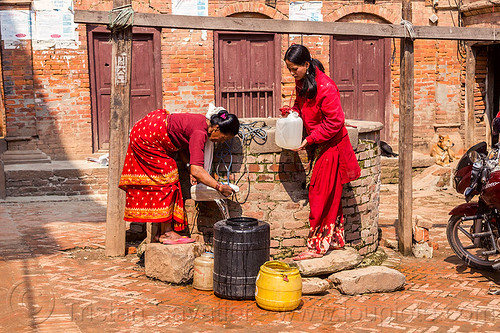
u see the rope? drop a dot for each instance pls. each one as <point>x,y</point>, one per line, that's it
<point>124,18</point>
<point>247,133</point>
<point>221,154</point>
<point>409,29</point>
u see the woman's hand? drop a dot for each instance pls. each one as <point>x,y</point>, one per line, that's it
<point>225,189</point>
<point>302,146</point>
<point>200,175</point>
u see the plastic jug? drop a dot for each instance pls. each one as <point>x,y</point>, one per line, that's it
<point>289,131</point>
<point>202,192</point>
<point>203,272</point>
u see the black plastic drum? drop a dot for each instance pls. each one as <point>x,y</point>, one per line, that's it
<point>241,246</point>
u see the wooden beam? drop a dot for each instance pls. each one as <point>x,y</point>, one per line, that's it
<point>470,82</point>
<point>119,120</point>
<point>490,112</point>
<point>405,189</point>
<point>293,27</point>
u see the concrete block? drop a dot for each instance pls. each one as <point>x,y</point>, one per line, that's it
<point>353,136</point>
<point>172,263</point>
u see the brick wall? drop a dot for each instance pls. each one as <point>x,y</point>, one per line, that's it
<point>479,14</point>
<point>47,92</point>
<point>56,179</point>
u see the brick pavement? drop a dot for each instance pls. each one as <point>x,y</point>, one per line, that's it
<point>58,280</point>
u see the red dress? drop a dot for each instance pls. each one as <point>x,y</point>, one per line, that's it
<point>335,162</point>
<point>150,176</point>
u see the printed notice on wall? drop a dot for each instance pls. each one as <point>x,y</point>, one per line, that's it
<point>16,24</point>
<point>50,24</point>
<point>190,7</point>
<point>52,4</point>
<point>53,24</point>
<point>306,11</point>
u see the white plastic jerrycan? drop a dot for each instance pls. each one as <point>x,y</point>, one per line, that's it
<point>289,131</point>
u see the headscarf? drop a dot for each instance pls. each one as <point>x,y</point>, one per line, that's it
<point>212,109</point>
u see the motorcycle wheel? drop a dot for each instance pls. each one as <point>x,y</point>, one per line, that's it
<point>457,233</point>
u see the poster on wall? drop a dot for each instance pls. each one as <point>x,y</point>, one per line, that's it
<point>306,11</point>
<point>50,24</point>
<point>53,24</point>
<point>16,24</point>
<point>190,7</point>
<point>52,5</point>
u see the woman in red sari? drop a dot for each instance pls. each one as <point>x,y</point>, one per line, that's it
<point>334,161</point>
<point>150,176</point>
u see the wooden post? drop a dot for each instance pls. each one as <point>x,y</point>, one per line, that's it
<point>470,80</point>
<point>405,139</point>
<point>119,119</point>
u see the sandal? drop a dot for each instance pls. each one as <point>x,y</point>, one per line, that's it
<point>182,240</point>
<point>307,255</point>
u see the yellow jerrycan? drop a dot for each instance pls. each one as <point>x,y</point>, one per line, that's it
<point>278,287</point>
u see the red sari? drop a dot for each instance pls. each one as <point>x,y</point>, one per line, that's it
<point>150,176</point>
<point>335,163</point>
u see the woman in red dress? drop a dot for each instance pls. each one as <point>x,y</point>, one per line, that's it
<point>150,176</point>
<point>334,161</point>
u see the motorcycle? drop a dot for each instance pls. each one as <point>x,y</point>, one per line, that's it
<point>473,230</point>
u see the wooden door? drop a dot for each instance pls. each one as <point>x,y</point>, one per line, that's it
<point>145,82</point>
<point>360,66</point>
<point>247,73</point>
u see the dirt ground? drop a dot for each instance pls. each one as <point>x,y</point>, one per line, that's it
<point>56,278</point>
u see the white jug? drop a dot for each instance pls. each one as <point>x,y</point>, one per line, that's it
<point>289,131</point>
<point>203,272</point>
<point>202,192</point>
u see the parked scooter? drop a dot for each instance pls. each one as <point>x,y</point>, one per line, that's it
<point>473,230</point>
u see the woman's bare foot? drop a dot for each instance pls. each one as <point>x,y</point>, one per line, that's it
<point>169,235</point>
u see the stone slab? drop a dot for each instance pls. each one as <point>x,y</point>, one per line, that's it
<point>314,286</point>
<point>25,156</point>
<point>171,263</point>
<point>331,262</point>
<point>373,279</point>
<point>422,222</point>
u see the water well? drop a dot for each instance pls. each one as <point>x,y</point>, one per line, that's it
<point>272,189</point>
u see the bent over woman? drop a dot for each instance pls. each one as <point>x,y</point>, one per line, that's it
<point>334,161</point>
<point>150,176</point>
